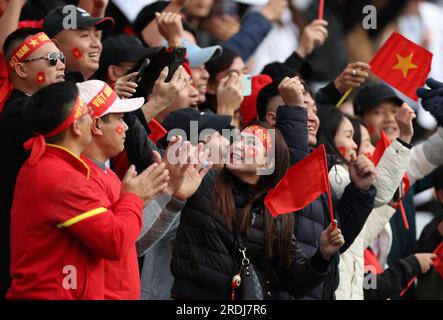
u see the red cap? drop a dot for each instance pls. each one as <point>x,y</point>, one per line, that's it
<point>248,108</point>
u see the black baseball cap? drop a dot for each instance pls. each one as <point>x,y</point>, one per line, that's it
<point>123,48</point>
<point>371,95</point>
<point>53,21</point>
<point>182,118</point>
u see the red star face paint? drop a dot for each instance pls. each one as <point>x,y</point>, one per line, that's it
<point>77,53</point>
<point>120,129</point>
<point>342,151</point>
<point>368,155</point>
<point>370,129</point>
<point>40,77</point>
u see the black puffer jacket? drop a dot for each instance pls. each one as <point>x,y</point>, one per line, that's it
<point>205,257</point>
<point>351,211</point>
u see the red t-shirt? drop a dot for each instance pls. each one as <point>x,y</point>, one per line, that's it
<point>122,277</point>
<point>62,231</point>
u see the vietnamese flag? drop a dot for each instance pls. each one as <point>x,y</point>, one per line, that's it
<point>403,64</point>
<point>157,130</point>
<point>383,143</point>
<point>303,183</point>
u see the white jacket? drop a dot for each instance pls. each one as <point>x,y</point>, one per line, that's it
<point>418,162</point>
<point>390,171</point>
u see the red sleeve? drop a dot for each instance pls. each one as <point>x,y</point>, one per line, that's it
<point>108,232</point>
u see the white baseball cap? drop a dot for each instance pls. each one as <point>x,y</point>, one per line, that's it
<point>102,99</point>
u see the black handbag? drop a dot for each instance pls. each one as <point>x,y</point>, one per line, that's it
<point>248,283</point>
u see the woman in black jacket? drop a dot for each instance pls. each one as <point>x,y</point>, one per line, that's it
<point>206,255</point>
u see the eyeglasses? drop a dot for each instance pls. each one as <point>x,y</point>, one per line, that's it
<point>52,58</point>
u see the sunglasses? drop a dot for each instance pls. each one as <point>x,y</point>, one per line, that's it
<point>52,58</point>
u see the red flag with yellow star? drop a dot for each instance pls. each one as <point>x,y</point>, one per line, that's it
<point>403,64</point>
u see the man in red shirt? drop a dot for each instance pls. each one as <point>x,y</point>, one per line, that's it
<point>32,62</point>
<point>61,229</point>
<point>122,277</point>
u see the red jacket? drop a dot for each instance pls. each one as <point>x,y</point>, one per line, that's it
<point>61,230</point>
<point>122,277</point>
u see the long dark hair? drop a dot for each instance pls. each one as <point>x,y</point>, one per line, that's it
<point>329,125</point>
<point>279,229</point>
<point>357,124</point>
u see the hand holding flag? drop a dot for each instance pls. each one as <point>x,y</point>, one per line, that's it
<point>436,260</point>
<point>331,240</point>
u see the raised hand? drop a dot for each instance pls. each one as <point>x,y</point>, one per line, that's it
<point>291,90</point>
<point>331,240</point>
<point>194,173</point>
<point>223,27</point>
<point>164,93</point>
<point>229,94</point>
<point>312,36</point>
<point>170,27</point>
<point>353,76</point>
<point>177,165</point>
<point>404,119</point>
<point>362,172</point>
<point>432,99</point>
<point>124,87</point>
<point>149,184</point>
<point>273,10</point>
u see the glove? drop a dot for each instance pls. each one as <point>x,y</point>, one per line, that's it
<point>432,99</point>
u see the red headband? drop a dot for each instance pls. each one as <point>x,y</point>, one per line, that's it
<point>37,144</point>
<point>76,113</point>
<point>102,101</point>
<point>261,133</point>
<point>27,48</point>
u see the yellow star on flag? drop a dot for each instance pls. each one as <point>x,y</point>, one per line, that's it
<point>405,63</point>
<point>33,42</point>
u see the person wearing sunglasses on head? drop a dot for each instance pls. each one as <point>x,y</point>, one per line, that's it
<point>33,62</point>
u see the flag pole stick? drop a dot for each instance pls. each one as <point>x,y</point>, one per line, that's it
<point>328,189</point>
<point>403,215</point>
<point>321,6</point>
<point>343,98</point>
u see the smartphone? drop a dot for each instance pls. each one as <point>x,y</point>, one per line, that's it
<point>176,59</point>
<point>247,85</point>
<point>140,71</point>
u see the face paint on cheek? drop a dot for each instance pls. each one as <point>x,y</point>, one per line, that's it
<point>77,54</point>
<point>40,77</point>
<point>251,152</point>
<point>120,129</point>
<point>342,151</point>
<point>368,155</point>
<point>371,129</point>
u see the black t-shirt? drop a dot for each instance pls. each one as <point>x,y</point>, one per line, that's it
<point>13,132</point>
<point>74,76</point>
